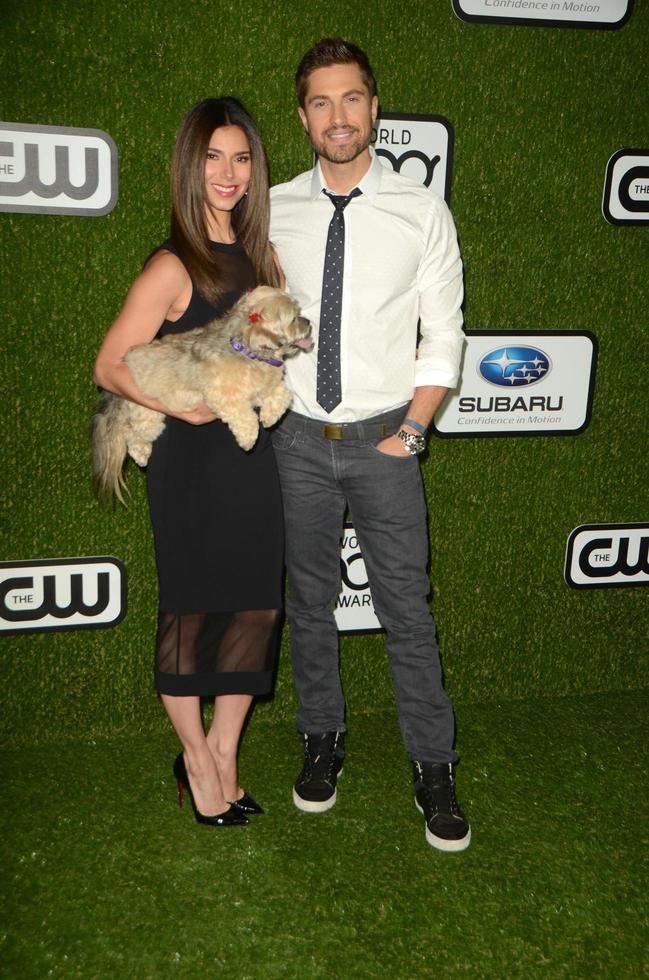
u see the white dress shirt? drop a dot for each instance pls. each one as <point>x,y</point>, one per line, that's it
<point>402,264</point>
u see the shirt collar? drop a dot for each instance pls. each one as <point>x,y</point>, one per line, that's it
<point>369,184</point>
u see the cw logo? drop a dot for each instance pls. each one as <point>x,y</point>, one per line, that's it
<point>57,170</point>
<point>596,558</point>
<point>61,183</point>
<point>599,555</point>
<point>626,188</point>
<point>24,589</point>
<point>638,176</point>
<point>61,594</point>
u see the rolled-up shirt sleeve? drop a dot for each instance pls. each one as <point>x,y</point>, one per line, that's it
<point>439,282</point>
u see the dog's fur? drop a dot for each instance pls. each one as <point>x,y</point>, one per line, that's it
<point>184,369</point>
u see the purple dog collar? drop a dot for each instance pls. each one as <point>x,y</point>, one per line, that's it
<point>253,355</point>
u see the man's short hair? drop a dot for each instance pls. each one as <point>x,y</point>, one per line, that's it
<point>332,51</point>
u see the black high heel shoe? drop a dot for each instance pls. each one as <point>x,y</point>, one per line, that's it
<point>246,804</point>
<point>232,817</point>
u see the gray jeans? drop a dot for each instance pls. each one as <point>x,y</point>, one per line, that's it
<point>320,477</point>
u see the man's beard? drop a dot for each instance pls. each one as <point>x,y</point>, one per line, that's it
<point>347,152</point>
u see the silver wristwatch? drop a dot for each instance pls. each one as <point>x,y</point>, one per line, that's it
<point>413,442</point>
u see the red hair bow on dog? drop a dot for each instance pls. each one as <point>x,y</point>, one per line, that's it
<point>254,317</point>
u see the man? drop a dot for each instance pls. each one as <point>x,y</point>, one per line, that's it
<point>367,253</point>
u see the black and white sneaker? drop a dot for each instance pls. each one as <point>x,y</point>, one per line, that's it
<point>315,789</point>
<point>447,828</point>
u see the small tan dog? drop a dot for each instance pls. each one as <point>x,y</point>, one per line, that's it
<point>233,364</point>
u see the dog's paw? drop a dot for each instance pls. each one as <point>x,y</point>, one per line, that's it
<point>268,418</point>
<point>247,444</point>
<point>140,452</point>
<point>272,409</point>
<point>246,435</point>
<point>246,441</point>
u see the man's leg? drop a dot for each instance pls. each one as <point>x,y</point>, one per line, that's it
<point>314,508</point>
<point>388,510</point>
<point>389,514</point>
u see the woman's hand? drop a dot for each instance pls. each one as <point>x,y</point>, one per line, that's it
<point>197,416</point>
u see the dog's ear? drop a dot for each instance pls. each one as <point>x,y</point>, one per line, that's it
<point>255,332</point>
<point>259,335</point>
<point>245,320</point>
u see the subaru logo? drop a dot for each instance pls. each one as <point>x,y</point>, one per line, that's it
<point>514,367</point>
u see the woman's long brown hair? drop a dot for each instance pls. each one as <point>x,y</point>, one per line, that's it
<point>250,216</point>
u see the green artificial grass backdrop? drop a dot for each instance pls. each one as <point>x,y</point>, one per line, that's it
<point>537,113</point>
<point>107,878</point>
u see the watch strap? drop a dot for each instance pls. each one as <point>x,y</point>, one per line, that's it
<point>421,429</point>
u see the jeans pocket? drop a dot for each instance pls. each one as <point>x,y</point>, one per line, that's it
<point>377,452</point>
<point>283,439</point>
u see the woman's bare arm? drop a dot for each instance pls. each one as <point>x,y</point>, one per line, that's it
<point>161,291</point>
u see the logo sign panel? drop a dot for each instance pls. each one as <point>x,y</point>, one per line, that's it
<point>57,170</point>
<point>626,188</point>
<point>418,146</point>
<point>607,555</point>
<point>516,383</point>
<point>354,610</point>
<point>608,14</point>
<point>61,594</point>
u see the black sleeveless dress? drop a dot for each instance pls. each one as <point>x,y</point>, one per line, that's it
<point>217,524</point>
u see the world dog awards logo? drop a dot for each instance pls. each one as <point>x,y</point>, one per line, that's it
<point>57,170</point>
<point>514,367</point>
<point>518,383</point>
<point>626,188</point>
<point>418,146</point>
<point>61,594</point>
<point>354,610</point>
<point>599,555</point>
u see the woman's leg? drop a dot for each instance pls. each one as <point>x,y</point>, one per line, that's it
<point>246,648</point>
<point>230,712</point>
<point>185,715</point>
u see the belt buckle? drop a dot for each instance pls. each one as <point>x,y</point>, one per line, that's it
<point>333,431</point>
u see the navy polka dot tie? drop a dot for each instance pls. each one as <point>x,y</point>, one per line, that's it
<point>329,391</point>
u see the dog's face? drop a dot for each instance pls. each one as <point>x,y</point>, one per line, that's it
<point>270,323</point>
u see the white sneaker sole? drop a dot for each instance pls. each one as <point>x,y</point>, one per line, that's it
<point>314,806</point>
<point>441,843</point>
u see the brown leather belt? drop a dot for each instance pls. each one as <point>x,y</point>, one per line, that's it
<point>367,430</point>
<point>358,430</point>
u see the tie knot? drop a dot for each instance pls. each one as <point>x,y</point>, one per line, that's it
<point>340,201</point>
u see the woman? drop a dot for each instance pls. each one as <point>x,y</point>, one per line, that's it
<point>215,509</point>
